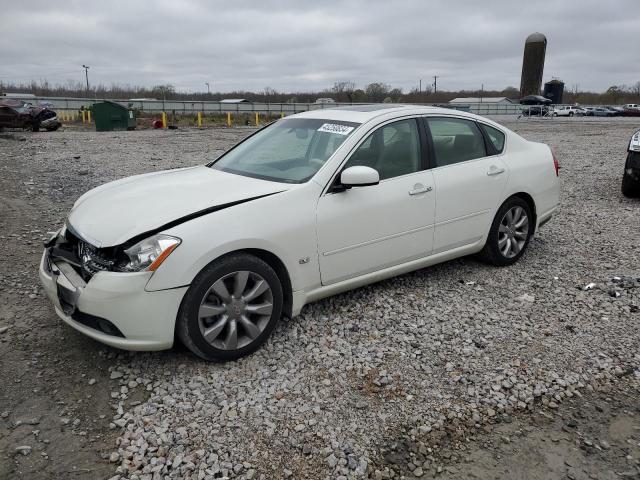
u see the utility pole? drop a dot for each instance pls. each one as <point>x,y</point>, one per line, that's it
<point>435,83</point>
<point>208,91</point>
<point>163,89</point>
<point>86,74</point>
<point>420,87</point>
<point>481,92</point>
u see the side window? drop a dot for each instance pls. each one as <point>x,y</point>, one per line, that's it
<point>393,150</point>
<point>496,137</point>
<point>455,140</point>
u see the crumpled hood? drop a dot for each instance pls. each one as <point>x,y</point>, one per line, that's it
<point>115,212</point>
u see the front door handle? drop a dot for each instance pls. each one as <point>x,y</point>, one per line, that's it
<point>495,171</point>
<point>418,189</point>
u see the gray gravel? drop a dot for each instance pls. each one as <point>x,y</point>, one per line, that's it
<point>334,389</point>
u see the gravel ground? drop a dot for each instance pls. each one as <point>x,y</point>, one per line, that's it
<point>405,378</point>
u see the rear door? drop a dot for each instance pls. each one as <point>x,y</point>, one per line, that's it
<point>470,175</point>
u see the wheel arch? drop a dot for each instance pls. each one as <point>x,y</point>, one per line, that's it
<point>278,266</point>
<point>530,202</point>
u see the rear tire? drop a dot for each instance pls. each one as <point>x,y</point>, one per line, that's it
<point>510,233</point>
<point>231,308</point>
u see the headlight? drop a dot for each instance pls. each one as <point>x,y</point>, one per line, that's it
<point>148,254</point>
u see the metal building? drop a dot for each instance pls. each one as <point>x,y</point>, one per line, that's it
<point>535,48</point>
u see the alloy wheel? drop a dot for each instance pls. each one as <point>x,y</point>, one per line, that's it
<point>513,232</point>
<point>235,310</point>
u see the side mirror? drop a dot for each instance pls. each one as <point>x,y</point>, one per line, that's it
<point>359,176</point>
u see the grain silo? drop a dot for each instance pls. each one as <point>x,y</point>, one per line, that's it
<point>535,48</point>
<point>553,90</point>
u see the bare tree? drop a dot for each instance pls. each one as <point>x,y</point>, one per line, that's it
<point>270,94</point>
<point>377,91</point>
<point>343,91</point>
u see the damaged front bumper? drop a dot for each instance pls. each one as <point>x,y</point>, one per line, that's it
<point>111,307</point>
<point>50,122</point>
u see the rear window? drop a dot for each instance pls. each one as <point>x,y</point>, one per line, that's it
<point>496,137</point>
<point>455,140</point>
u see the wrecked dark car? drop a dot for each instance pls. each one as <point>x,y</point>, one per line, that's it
<point>631,176</point>
<point>18,114</point>
<point>536,106</point>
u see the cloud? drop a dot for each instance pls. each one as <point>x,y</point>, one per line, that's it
<point>301,46</point>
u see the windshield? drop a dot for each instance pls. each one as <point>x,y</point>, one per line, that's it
<point>291,150</point>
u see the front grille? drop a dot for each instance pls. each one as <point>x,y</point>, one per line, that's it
<point>92,260</point>
<point>85,258</point>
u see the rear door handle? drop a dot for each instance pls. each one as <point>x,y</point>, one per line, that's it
<point>419,190</point>
<point>495,171</point>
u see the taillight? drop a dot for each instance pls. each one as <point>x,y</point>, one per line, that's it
<point>556,165</point>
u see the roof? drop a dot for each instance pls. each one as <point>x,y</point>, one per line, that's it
<point>17,95</point>
<point>369,108</point>
<point>480,100</point>
<point>364,113</point>
<point>11,103</point>
<point>234,100</point>
<point>536,37</point>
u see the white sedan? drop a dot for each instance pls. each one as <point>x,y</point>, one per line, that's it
<point>309,206</point>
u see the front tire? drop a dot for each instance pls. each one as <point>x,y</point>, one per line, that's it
<point>231,308</point>
<point>630,188</point>
<point>510,233</point>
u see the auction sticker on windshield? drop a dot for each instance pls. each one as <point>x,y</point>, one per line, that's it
<point>336,128</point>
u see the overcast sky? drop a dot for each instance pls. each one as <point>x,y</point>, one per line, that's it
<point>298,45</point>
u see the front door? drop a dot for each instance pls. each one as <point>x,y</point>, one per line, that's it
<point>365,229</point>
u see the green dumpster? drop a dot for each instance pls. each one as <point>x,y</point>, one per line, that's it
<point>110,116</point>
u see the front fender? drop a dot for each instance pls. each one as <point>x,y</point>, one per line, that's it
<point>183,268</point>
<point>283,225</point>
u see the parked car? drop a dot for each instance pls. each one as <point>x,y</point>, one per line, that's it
<point>567,111</point>
<point>602,112</point>
<point>632,106</point>
<point>631,112</point>
<point>325,101</point>
<point>588,111</point>
<point>311,205</point>
<point>18,114</point>
<point>631,175</point>
<point>614,111</point>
